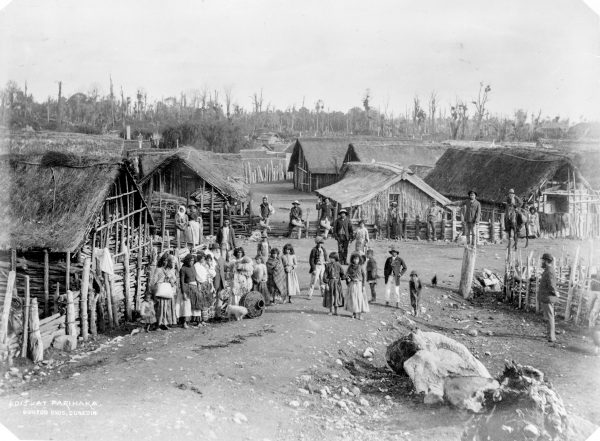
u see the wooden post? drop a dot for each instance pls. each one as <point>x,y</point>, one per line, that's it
<point>71,330</point>
<point>530,269</point>
<point>586,284</point>
<point>466,272</point>
<point>492,232</point>
<point>83,298</point>
<point>126,285</point>
<point>212,210</point>
<point>46,284</point>
<point>404,226</point>
<point>35,337</point>
<point>13,259</point>
<point>221,217</point>
<point>307,221</point>
<point>68,272</point>
<point>55,299</point>
<point>163,228</point>
<point>250,216</point>
<point>417,227</point>
<point>12,276</point>
<point>537,291</point>
<point>187,199</point>
<point>115,306</point>
<point>502,226</point>
<point>25,319</point>
<point>453,225</point>
<point>107,288</point>
<point>571,284</point>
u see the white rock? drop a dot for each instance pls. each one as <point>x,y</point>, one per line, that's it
<point>306,404</point>
<point>531,431</point>
<point>363,402</point>
<point>387,397</point>
<point>239,418</point>
<point>303,391</point>
<point>356,391</point>
<point>473,332</point>
<point>342,404</point>
<point>369,352</point>
<point>294,404</point>
<point>423,310</point>
<point>345,390</point>
<point>305,378</point>
<point>65,342</point>
<point>210,417</point>
<point>339,362</point>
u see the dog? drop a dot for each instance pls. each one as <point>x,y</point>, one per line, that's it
<point>236,311</point>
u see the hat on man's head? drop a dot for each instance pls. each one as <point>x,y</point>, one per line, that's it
<point>414,273</point>
<point>548,257</point>
<point>319,239</point>
<point>394,203</point>
<point>472,191</point>
<point>393,250</point>
<point>296,202</point>
<point>343,210</point>
<point>511,191</point>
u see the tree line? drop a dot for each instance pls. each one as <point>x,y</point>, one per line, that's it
<point>213,119</point>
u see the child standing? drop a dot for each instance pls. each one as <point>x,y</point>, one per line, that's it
<point>259,279</point>
<point>290,262</point>
<point>372,274</point>
<point>415,292</point>
<point>276,277</point>
<point>333,298</point>
<point>356,277</point>
<point>147,311</point>
<point>262,249</point>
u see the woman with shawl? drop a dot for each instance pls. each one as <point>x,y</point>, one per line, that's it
<point>290,262</point>
<point>259,279</point>
<point>242,279</point>
<point>332,278</point>
<point>205,288</point>
<point>276,276</point>
<point>189,290</point>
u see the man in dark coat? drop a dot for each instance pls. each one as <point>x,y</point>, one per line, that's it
<point>343,233</point>
<point>317,261</point>
<point>472,216</point>
<point>266,210</point>
<point>325,217</point>
<point>548,294</point>
<point>226,239</point>
<point>219,280</point>
<point>393,269</point>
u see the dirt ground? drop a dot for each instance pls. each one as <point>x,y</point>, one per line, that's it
<point>260,379</point>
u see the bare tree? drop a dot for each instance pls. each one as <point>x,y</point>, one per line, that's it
<point>366,105</point>
<point>432,109</point>
<point>480,102</point>
<point>227,91</point>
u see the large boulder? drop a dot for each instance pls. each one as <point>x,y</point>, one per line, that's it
<point>439,368</point>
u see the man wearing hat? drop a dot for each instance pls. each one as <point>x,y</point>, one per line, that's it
<point>394,268</point>
<point>472,216</point>
<point>325,209</point>
<point>433,215</point>
<point>548,294</point>
<point>295,217</point>
<point>226,238</point>
<point>393,220</point>
<point>317,260</point>
<point>266,210</point>
<point>343,233</point>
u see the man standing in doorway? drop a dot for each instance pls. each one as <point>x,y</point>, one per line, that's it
<point>325,217</point>
<point>548,294</point>
<point>226,239</point>
<point>393,225</point>
<point>434,214</point>
<point>472,216</point>
<point>343,233</point>
<point>317,259</point>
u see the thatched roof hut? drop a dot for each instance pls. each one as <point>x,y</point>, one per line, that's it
<point>404,153</point>
<point>53,199</point>
<point>317,162</point>
<point>492,172</point>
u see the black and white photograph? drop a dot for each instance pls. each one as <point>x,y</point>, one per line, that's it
<point>279,220</point>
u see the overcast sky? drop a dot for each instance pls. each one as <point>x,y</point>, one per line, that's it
<point>536,54</point>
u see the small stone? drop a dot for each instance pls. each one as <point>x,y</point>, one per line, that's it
<point>531,431</point>
<point>339,362</point>
<point>305,378</point>
<point>303,391</point>
<point>490,332</point>
<point>345,390</point>
<point>363,402</point>
<point>387,397</point>
<point>149,359</point>
<point>507,429</point>
<point>26,377</point>
<point>369,352</point>
<point>294,404</point>
<point>342,404</point>
<point>488,353</point>
<point>357,410</point>
<point>423,310</point>
<point>14,371</point>
<point>239,418</point>
<point>76,374</point>
<point>306,404</point>
<point>383,323</point>
<point>210,417</point>
<point>356,391</point>
<point>473,332</point>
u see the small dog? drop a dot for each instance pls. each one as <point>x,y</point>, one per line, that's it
<point>236,311</point>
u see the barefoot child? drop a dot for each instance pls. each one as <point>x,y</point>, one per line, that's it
<point>147,312</point>
<point>372,274</point>
<point>332,278</point>
<point>415,292</point>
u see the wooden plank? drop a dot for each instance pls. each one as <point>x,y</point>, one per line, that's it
<point>586,284</point>
<point>163,229</point>
<point>70,314</point>
<point>10,283</point>
<point>55,299</point>
<point>25,319</point>
<point>68,272</point>
<point>126,287</point>
<point>574,266</point>
<point>466,273</point>
<point>83,298</point>
<point>114,221</point>
<point>47,283</point>
<point>109,309</point>
<point>212,210</point>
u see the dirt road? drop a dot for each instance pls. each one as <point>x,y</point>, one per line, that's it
<point>191,384</point>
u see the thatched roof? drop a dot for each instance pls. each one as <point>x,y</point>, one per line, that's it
<point>588,163</point>
<point>223,171</point>
<point>51,203</point>
<point>363,181</point>
<point>492,172</point>
<point>403,153</point>
<point>323,155</point>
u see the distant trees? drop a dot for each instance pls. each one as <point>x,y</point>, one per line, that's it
<point>212,119</point>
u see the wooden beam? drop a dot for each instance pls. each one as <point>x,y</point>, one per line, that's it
<point>68,272</point>
<point>83,298</point>
<point>12,275</point>
<point>466,273</point>
<point>25,319</point>
<point>47,283</point>
<point>212,210</point>
<point>574,266</point>
<point>55,299</point>
<point>110,223</point>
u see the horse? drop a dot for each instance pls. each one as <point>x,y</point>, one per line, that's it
<point>513,222</point>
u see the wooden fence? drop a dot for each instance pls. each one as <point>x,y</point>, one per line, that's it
<point>266,170</point>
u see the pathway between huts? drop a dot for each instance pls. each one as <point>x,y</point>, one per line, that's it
<point>261,379</point>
